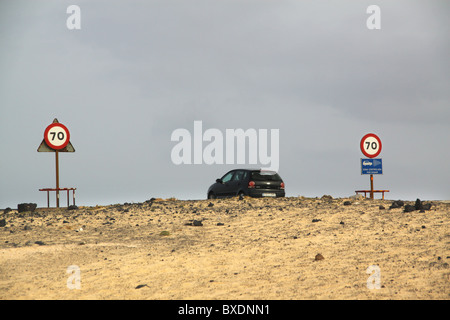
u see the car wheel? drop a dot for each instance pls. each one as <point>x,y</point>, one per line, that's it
<point>211,196</point>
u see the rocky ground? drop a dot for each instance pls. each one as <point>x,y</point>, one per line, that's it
<point>287,248</point>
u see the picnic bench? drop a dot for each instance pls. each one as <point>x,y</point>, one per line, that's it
<point>369,191</point>
<point>59,189</point>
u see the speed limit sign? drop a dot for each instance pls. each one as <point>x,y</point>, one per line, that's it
<point>370,145</point>
<point>57,136</point>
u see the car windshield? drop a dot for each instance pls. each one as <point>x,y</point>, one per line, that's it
<point>265,176</point>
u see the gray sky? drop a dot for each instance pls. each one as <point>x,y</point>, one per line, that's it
<point>138,70</point>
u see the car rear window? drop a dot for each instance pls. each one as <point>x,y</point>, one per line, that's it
<point>265,176</point>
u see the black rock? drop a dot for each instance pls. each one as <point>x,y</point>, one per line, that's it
<point>2,222</point>
<point>397,204</point>
<point>347,203</point>
<point>418,205</point>
<point>426,206</point>
<point>400,203</point>
<point>40,243</point>
<point>23,207</point>
<point>72,207</point>
<point>211,204</point>
<point>316,220</point>
<point>381,207</point>
<point>394,205</point>
<point>220,224</point>
<point>409,208</point>
<point>197,223</point>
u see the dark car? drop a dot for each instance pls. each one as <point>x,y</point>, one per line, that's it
<point>253,183</point>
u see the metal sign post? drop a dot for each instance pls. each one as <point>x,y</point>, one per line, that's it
<point>57,139</point>
<point>371,147</point>
<point>57,177</point>
<point>371,186</point>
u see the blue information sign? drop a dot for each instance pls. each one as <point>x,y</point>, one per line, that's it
<point>371,166</point>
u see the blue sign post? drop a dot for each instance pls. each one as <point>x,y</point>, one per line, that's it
<point>371,166</point>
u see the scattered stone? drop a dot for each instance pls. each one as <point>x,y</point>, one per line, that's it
<point>220,224</point>
<point>357,197</point>
<point>197,223</point>
<point>72,207</point>
<point>381,207</point>
<point>23,207</point>
<point>2,222</point>
<point>316,220</point>
<point>39,243</point>
<point>319,257</point>
<point>347,203</point>
<point>164,233</point>
<point>394,205</point>
<point>418,205</point>
<point>211,204</point>
<point>141,286</point>
<point>27,228</point>
<point>342,222</point>
<point>150,201</point>
<point>397,204</point>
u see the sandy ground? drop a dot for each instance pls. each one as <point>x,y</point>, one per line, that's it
<point>235,249</point>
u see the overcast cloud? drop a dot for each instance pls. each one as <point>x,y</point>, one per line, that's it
<point>138,70</point>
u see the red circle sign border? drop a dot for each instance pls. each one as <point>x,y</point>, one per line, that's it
<point>49,143</point>
<point>362,145</point>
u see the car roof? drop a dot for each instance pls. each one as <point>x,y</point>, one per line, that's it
<point>253,170</point>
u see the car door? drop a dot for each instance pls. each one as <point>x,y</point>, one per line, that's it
<point>235,185</point>
<point>223,189</point>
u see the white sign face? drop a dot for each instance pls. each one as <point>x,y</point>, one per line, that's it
<point>370,145</point>
<point>57,136</point>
